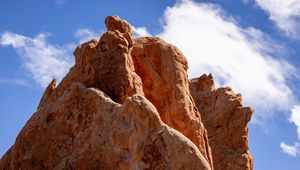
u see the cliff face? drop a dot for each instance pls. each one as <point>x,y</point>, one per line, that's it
<point>226,122</point>
<point>126,104</point>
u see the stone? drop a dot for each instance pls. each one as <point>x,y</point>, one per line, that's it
<point>50,88</point>
<point>128,104</point>
<point>105,64</point>
<point>226,121</point>
<point>85,129</point>
<point>163,70</point>
<point>114,23</point>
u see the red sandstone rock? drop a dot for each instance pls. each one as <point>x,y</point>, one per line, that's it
<point>226,122</point>
<point>105,64</point>
<point>163,69</point>
<point>126,104</point>
<point>85,129</point>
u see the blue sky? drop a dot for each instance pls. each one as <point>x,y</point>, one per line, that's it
<point>250,45</point>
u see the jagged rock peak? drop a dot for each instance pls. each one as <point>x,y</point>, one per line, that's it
<point>226,121</point>
<point>114,23</point>
<point>126,104</point>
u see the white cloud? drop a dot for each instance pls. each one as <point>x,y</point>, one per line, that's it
<point>140,31</point>
<point>15,40</point>
<point>42,60</point>
<point>84,34</point>
<point>290,150</point>
<point>293,150</point>
<point>214,43</point>
<point>295,118</point>
<point>211,40</point>
<point>285,14</point>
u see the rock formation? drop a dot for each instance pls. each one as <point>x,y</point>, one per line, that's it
<point>126,104</point>
<point>226,121</point>
<point>163,70</point>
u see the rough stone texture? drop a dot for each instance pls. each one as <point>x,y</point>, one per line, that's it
<point>126,104</point>
<point>163,69</point>
<point>105,64</point>
<point>226,121</point>
<point>85,129</point>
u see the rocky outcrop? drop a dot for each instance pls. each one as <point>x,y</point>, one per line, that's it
<point>85,129</point>
<point>226,121</point>
<point>126,104</point>
<point>163,69</point>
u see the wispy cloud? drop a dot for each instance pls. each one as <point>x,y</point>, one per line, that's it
<point>41,59</point>
<point>290,150</point>
<point>295,118</point>
<point>284,13</point>
<point>213,42</point>
<point>140,31</point>
<point>85,34</point>
<point>293,150</point>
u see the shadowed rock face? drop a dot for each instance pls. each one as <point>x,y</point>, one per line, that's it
<point>226,122</point>
<point>126,104</point>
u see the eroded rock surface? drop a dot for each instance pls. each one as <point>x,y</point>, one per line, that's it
<point>226,121</point>
<point>126,104</point>
<point>105,64</point>
<point>163,69</point>
<point>85,129</point>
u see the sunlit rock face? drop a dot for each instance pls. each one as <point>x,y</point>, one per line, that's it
<point>126,104</point>
<point>226,121</point>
